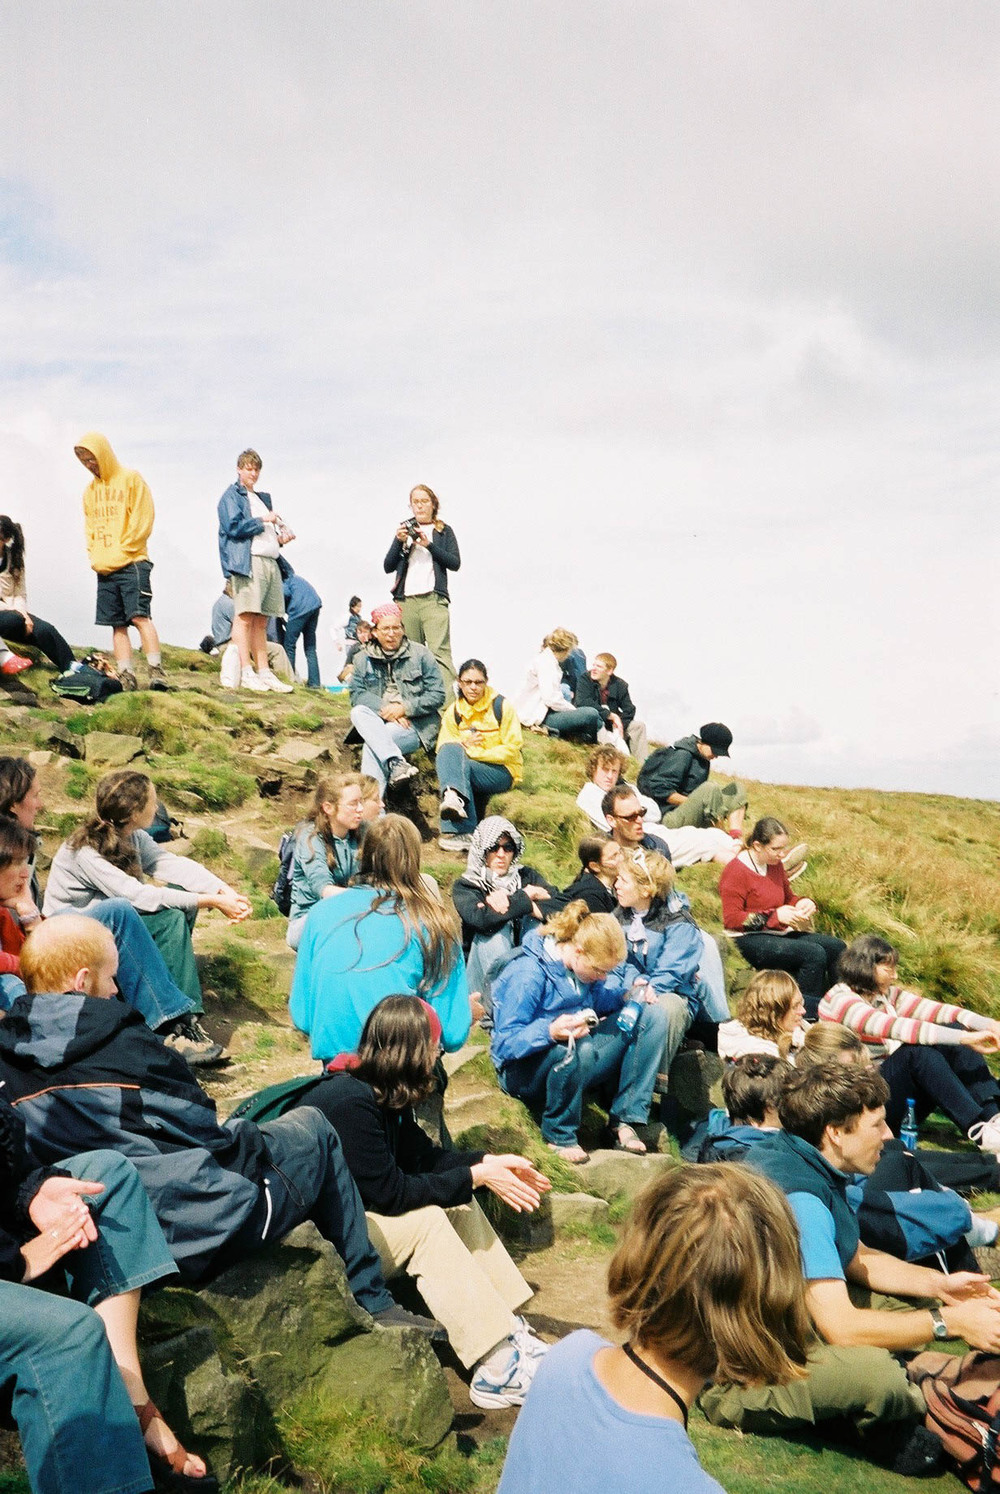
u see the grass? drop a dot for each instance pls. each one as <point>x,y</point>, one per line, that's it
<point>238,970</point>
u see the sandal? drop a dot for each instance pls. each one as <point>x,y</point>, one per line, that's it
<point>626,1140</point>
<point>574,1153</point>
<point>168,1468</point>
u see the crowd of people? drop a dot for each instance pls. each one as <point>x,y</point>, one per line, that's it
<point>767,1275</point>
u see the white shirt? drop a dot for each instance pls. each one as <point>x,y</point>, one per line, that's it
<point>266,543</point>
<point>420,567</point>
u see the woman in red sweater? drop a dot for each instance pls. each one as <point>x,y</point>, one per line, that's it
<point>773,926</point>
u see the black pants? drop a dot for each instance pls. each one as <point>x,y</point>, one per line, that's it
<point>949,1078</point>
<point>47,639</point>
<point>811,958</point>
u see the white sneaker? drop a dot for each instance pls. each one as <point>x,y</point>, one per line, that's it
<point>526,1340</point>
<point>493,1389</point>
<point>986,1134</point>
<point>251,680</point>
<point>272,682</point>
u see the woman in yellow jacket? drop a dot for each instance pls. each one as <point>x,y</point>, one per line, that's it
<point>478,754</point>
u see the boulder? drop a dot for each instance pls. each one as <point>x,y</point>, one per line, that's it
<point>41,759</point>
<point>611,1174</point>
<point>184,799</point>
<point>62,740</point>
<point>577,1208</point>
<point>289,1313</point>
<point>296,750</point>
<point>111,747</point>
<point>695,1084</point>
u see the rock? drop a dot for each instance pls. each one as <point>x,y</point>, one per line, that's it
<point>39,759</point>
<point>111,747</point>
<point>62,740</point>
<point>296,1326</point>
<point>577,1208</point>
<point>609,1174</point>
<point>215,1410</point>
<point>258,857</point>
<point>295,750</point>
<point>14,715</point>
<point>184,799</point>
<point>695,1084</point>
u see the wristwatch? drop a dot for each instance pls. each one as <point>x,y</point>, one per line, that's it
<point>940,1326</point>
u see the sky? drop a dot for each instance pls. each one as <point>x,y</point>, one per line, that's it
<point>688,313</point>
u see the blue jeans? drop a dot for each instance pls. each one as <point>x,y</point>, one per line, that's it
<point>311,1180</point>
<point>304,628</point>
<point>581,721</point>
<point>78,1430</point>
<point>710,1004</point>
<point>476,782</point>
<point>130,1250</point>
<point>810,958</point>
<point>953,1079</point>
<point>143,979</point>
<point>556,1081</point>
<point>384,741</point>
<point>488,955</point>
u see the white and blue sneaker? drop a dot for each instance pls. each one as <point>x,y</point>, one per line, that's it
<point>504,1377</point>
<point>526,1340</point>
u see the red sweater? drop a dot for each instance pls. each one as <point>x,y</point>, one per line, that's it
<point>11,939</point>
<point>746,895</point>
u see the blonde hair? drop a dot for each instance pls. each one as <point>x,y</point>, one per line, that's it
<point>58,948</point>
<point>651,874</point>
<point>560,640</point>
<point>828,1041</point>
<point>708,1274</point>
<point>608,660</point>
<point>602,757</point>
<point>390,862</point>
<point>597,936</point>
<point>767,999</point>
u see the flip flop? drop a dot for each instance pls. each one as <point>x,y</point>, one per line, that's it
<point>574,1153</point>
<point>168,1468</point>
<point>626,1140</point>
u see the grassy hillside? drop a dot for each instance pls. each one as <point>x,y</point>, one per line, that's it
<point>920,869</point>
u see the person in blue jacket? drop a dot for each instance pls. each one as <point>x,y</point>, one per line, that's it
<point>389,936</point>
<point>303,605</point>
<point>556,1034</point>
<point>250,538</point>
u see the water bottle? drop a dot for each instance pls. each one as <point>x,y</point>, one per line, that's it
<point>908,1133</point>
<point>632,1010</point>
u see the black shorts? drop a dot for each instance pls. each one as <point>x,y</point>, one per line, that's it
<point>124,594</point>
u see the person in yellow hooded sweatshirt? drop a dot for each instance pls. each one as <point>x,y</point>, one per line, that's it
<point>118,513</point>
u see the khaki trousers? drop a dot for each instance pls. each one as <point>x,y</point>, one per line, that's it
<point>461,1268</point>
<point>427,620</point>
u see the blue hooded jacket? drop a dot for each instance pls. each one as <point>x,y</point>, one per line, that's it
<point>532,989</point>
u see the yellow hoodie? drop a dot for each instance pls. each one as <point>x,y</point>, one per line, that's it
<point>502,739</point>
<point>117,510</point>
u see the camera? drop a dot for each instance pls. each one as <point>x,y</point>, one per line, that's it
<point>412,529</point>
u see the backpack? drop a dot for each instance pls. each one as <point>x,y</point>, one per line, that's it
<point>87,685</point>
<point>962,1396</point>
<point>164,826</point>
<point>497,711</point>
<point>281,892</point>
<point>268,1104</point>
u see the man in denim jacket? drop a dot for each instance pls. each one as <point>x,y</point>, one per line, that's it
<point>397,691</point>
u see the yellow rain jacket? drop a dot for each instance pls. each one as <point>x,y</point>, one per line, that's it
<point>117,510</point>
<point>503,738</point>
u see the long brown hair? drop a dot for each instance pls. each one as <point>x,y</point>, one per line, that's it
<point>117,798</point>
<point>390,862</point>
<point>328,791</point>
<point>765,1002</point>
<point>16,777</point>
<point>396,1054</point>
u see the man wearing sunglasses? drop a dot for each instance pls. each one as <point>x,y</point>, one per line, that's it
<point>623,813</point>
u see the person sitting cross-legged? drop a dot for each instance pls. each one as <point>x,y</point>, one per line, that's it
<point>397,692</point>
<point>833,1126</point>
<point>325,855</point>
<point>85,1072</point>
<point>478,754</point>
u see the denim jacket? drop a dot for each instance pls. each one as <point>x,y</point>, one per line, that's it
<point>237,527</point>
<point>414,671</point>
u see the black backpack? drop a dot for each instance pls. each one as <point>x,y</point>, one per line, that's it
<point>497,710</point>
<point>281,892</point>
<point>86,685</point>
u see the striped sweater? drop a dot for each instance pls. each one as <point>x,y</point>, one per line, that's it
<point>898,1016</point>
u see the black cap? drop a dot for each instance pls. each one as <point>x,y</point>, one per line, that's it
<point>716,736</point>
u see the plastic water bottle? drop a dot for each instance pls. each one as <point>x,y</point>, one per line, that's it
<point>632,1010</point>
<point>908,1133</point>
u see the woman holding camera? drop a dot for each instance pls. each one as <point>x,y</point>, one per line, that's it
<point>423,551</point>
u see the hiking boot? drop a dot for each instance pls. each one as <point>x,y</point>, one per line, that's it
<point>398,1317</point>
<point>986,1134</point>
<point>453,806</point>
<point>503,1380</point>
<point>187,1037</point>
<point>157,679</point>
<point>127,680</point>
<point>251,680</point>
<point>272,682</point>
<point>15,664</point>
<point>459,844</point>
<point>401,772</point>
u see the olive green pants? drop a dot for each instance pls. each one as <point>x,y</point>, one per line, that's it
<point>427,620</point>
<point>708,805</point>
<point>170,930</point>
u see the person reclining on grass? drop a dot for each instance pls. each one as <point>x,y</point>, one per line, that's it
<point>677,778</point>
<point>84,1073</point>
<point>686,844</point>
<point>833,1120</point>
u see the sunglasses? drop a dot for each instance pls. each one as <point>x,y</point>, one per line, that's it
<point>502,845</point>
<point>631,818</point>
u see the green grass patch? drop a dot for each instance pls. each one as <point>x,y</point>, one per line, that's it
<point>79,780</point>
<point>209,845</point>
<point>218,784</point>
<point>237,971</point>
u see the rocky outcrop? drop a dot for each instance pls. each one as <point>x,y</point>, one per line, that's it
<point>111,749</point>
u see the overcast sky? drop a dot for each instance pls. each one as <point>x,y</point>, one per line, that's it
<point>688,312</point>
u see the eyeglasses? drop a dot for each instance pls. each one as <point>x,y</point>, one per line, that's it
<point>632,818</point>
<point>502,845</point>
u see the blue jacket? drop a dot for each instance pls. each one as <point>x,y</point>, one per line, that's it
<point>311,873</point>
<point>348,962</point>
<point>301,597</point>
<point>532,989</point>
<point>673,948</point>
<point>237,527</point>
<point>414,671</point>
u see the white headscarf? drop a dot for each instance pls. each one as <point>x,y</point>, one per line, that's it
<point>484,839</point>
